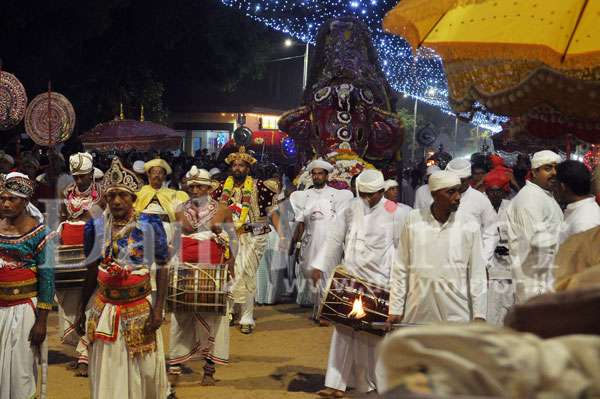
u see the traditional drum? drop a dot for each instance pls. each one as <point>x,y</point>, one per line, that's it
<point>198,288</point>
<point>70,270</point>
<point>354,302</point>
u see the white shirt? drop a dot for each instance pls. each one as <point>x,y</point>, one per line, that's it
<point>499,268</point>
<point>317,209</point>
<point>580,216</point>
<point>534,220</point>
<point>423,198</point>
<point>368,240</point>
<point>439,271</point>
<point>479,206</point>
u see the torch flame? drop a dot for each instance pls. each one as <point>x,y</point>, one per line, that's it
<point>357,311</point>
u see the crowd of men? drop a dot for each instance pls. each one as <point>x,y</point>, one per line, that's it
<point>476,243</point>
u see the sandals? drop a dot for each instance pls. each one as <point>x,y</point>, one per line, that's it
<point>246,328</point>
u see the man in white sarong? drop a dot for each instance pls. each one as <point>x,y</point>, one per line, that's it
<point>476,204</point>
<point>251,201</point>
<point>127,358</point>
<point>501,295</point>
<point>315,210</point>
<point>574,189</point>
<point>423,198</point>
<point>79,201</point>
<point>439,272</point>
<point>366,234</point>
<point>534,221</point>
<point>200,335</point>
<point>26,290</point>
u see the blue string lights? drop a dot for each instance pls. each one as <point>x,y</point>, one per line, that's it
<point>421,76</point>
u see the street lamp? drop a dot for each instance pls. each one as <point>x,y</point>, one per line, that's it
<point>289,43</point>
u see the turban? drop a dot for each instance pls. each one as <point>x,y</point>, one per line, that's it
<point>98,174</point>
<point>138,167</point>
<point>443,179</point>
<point>197,176</point>
<point>432,169</point>
<point>460,167</point>
<point>497,178</point>
<point>157,162</point>
<point>496,161</point>
<point>7,157</point>
<point>214,171</point>
<point>369,181</point>
<point>81,163</point>
<point>320,164</point>
<point>17,184</point>
<point>545,157</point>
<point>390,184</point>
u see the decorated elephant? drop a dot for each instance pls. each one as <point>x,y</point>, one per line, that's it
<point>348,104</point>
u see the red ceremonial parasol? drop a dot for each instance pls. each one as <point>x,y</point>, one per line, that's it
<point>125,135</point>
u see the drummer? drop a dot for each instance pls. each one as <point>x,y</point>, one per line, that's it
<point>366,234</point>
<point>80,200</point>
<point>203,334</point>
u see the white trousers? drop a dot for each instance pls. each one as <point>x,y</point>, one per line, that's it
<point>352,360</point>
<point>247,312</point>
<point>68,307</point>
<point>18,371</point>
<point>194,335</point>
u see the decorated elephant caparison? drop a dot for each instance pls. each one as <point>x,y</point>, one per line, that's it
<point>348,104</point>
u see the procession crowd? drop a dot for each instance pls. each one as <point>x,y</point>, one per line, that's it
<point>166,236</point>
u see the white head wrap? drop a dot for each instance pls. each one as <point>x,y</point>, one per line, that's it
<point>138,167</point>
<point>198,176</point>
<point>214,171</point>
<point>390,184</point>
<point>432,169</point>
<point>369,181</point>
<point>320,164</point>
<point>545,157</point>
<point>7,157</point>
<point>81,163</point>
<point>443,179</point>
<point>460,167</point>
<point>98,174</point>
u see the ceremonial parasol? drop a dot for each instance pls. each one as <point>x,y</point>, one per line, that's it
<point>49,119</point>
<point>509,56</point>
<point>125,135</point>
<point>13,100</point>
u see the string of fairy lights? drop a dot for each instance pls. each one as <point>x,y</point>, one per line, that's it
<point>421,76</point>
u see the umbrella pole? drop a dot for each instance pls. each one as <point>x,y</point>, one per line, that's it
<point>49,116</point>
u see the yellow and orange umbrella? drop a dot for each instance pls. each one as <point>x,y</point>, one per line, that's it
<point>511,55</point>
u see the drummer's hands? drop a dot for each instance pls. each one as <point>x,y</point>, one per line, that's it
<point>391,320</point>
<point>315,276</point>
<point>79,324</point>
<point>155,320</point>
<point>37,335</point>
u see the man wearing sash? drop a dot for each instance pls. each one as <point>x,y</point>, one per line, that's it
<point>156,198</point>
<point>197,335</point>
<point>251,202</point>
<point>123,327</point>
<point>78,201</point>
<point>26,290</point>
<point>315,209</point>
<point>366,235</point>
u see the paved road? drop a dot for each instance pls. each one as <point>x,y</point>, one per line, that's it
<point>285,357</point>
